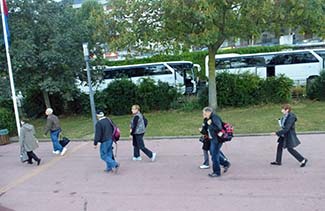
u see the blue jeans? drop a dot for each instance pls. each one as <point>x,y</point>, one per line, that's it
<point>106,153</point>
<point>217,156</point>
<point>55,140</point>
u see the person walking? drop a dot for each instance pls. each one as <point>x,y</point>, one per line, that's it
<point>103,135</point>
<point>214,123</point>
<point>206,148</point>
<point>288,137</point>
<point>137,131</point>
<point>53,126</point>
<point>28,142</point>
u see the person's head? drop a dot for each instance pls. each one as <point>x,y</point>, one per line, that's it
<point>286,108</point>
<point>206,112</point>
<point>100,114</point>
<point>23,120</point>
<point>49,111</point>
<point>135,109</point>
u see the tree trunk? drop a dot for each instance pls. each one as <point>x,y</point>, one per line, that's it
<point>213,102</point>
<point>46,99</point>
<point>212,78</point>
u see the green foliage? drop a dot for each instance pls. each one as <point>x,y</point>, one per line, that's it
<point>248,89</point>
<point>276,90</point>
<point>120,95</point>
<point>7,120</point>
<point>316,90</point>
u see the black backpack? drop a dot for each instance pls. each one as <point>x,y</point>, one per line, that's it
<point>145,120</point>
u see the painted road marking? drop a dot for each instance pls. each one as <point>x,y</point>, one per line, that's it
<point>40,169</point>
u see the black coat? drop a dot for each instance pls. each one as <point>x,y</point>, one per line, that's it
<point>215,127</point>
<point>288,132</point>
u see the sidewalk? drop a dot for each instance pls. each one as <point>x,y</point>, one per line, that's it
<point>77,181</point>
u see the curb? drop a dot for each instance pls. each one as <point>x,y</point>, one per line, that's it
<point>15,139</point>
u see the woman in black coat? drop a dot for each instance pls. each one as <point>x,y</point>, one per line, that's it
<point>288,137</point>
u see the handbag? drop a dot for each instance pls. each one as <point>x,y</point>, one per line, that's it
<point>23,155</point>
<point>64,142</point>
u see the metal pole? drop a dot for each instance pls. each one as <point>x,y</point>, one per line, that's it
<point>91,93</point>
<point>12,85</point>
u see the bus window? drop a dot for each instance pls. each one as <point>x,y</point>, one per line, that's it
<point>157,70</point>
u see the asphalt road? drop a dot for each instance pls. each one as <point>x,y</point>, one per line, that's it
<point>77,181</point>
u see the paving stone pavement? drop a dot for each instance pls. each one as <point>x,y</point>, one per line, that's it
<point>77,181</point>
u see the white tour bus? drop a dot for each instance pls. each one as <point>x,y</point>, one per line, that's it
<point>298,65</point>
<point>179,74</point>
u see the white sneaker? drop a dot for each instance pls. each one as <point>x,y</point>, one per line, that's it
<point>56,152</point>
<point>204,167</point>
<point>153,158</point>
<point>137,158</point>
<point>64,150</point>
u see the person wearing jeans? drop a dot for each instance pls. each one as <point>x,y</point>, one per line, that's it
<point>103,135</point>
<point>288,137</point>
<point>53,126</point>
<point>214,123</point>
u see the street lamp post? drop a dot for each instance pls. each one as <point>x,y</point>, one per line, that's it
<point>91,93</point>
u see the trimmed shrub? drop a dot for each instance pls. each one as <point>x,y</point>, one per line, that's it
<point>118,97</point>
<point>248,89</point>
<point>276,90</point>
<point>7,120</point>
<point>237,89</point>
<point>316,90</point>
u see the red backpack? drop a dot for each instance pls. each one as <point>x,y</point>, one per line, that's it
<point>116,132</point>
<point>227,132</point>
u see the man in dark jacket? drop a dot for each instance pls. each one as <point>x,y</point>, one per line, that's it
<point>214,131</point>
<point>103,135</point>
<point>288,137</point>
<point>53,126</point>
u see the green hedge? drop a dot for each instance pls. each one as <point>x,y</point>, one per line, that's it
<point>248,89</point>
<point>120,95</point>
<point>316,90</point>
<point>7,120</point>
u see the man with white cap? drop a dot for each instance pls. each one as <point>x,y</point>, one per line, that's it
<point>103,135</point>
<point>53,126</point>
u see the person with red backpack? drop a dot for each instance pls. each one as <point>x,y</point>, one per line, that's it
<point>215,133</point>
<point>103,135</point>
<point>206,148</point>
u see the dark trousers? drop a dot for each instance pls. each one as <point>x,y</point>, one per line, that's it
<point>138,144</point>
<point>31,155</point>
<point>217,158</point>
<point>292,151</point>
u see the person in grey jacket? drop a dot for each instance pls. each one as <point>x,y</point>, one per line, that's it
<point>288,137</point>
<point>28,142</point>
<point>53,126</point>
<point>137,130</point>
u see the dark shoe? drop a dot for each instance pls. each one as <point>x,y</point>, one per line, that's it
<point>226,168</point>
<point>214,175</point>
<point>116,168</point>
<point>39,161</point>
<point>275,163</point>
<point>30,162</point>
<point>303,163</point>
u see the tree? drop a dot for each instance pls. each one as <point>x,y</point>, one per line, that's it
<point>46,47</point>
<point>191,22</point>
<point>182,23</point>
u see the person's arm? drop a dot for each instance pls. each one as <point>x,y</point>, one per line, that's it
<point>48,126</point>
<point>134,124</point>
<point>287,126</point>
<point>98,133</point>
<point>21,137</point>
